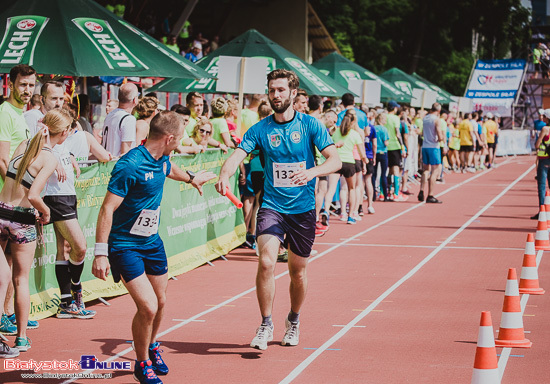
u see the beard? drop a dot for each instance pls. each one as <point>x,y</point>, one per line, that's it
<point>21,98</point>
<point>282,107</point>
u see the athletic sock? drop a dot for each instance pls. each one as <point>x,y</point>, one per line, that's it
<point>75,269</point>
<point>266,320</point>
<point>293,317</point>
<point>396,185</point>
<point>64,281</point>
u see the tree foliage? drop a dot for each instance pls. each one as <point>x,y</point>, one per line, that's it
<point>431,37</point>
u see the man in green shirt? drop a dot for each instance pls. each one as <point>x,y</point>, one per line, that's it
<point>13,127</point>
<point>195,103</point>
<point>250,115</point>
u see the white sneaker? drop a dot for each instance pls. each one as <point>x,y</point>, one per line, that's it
<point>264,334</point>
<point>343,217</point>
<point>370,210</point>
<point>357,217</point>
<point>292,333</point>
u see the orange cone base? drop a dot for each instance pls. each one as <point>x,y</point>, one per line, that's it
<point>525,343</point>
<point>532,291</point>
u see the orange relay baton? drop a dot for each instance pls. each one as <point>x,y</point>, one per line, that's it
<point>233,198</point>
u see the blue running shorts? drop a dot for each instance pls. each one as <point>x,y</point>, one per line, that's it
<point>431,156</point>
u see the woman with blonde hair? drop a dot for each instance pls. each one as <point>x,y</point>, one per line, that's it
<point>145,110</point>
<point>202,134</point>
<point>220,129</point>
<point>21,207</point>
<point>346,138</point>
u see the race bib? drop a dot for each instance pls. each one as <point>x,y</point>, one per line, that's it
<point>282,172</point>
<point>147,223</point>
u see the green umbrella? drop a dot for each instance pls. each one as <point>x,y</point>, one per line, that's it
<point>253,44</point>
<point>81,38</point>
<point>405,83</point>
<point>433,86</point>
<point>341,69</point>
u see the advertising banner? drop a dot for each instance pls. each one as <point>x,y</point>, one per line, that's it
<point>494,85</point>
<point>195,229</point>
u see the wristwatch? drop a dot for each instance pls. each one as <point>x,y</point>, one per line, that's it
<point>191,176</point>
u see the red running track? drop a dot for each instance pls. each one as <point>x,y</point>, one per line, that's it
<point>394,299</point>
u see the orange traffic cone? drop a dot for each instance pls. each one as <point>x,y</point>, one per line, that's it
<point>511,333</point>
<point>486,363</point>
<point>542,241</point>
<point>529,279</point>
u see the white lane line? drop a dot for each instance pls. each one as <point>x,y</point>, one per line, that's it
<point>230,300</point>
<point>302,366</point>
<point>505,354</point>
<point>427,247</point>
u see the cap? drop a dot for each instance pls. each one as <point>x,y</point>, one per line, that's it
<point>546,113</point>
<point>541,111</point>
<point>197,45</point>
<point>489,115</point>
<point>392,105</point>
<point>161,107</point>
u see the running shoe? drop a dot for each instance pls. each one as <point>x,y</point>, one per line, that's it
<point>324,218</point>
<point>433,200</point>
<point>31,324</point>
<point>351,220</point>
<point>6,352</point>
<point>319,232</point>
<point>535,217</point>
<point>343,217</point>
<point>292,333</point>
<point>264,334</point>
<point>440,181</point>
<point>159,365</point>
<point>145,373</point>
<point>71,311</point>
<point>408,193</point>
<point>79,301</point>
<point>400,198</point>
<point>421,196</point>
<point>360,211</point>
<point>23,344</point>
<point>370,210</point>
<point>321,227</point>
<point>356,217</point>
<point>6,326</point>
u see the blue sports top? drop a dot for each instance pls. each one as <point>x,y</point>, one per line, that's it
<point>369,140</point>
<point>139,179</point>
<point>362,119</point>
<point>287,145</point>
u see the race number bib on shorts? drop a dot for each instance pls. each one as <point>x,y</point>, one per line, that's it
<point>147,223</point>
<point>282,173</point>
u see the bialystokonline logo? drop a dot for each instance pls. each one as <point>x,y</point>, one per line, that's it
<point>87,362</point>
<point>94,27</point>
<point>26,24</point>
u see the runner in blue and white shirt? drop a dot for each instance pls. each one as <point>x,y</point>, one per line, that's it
<point>287,213</point>
<point>127,238</point>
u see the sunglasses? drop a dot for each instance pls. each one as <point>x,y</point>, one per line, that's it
<point>205,132</point>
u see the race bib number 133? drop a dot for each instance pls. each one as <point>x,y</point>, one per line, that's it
<point>282,172</point>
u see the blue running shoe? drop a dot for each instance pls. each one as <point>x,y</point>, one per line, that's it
<point>31,324</point>
<point>145,374</point>
<point>159,365</point>
<point>79,302</point>
<point>6,326</point>
<point>351,220</point>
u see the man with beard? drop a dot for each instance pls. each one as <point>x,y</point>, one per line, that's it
<point>287,214</point>
<point>52,95</point>
<point>13,130</point>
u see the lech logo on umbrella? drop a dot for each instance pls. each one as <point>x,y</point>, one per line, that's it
<point>26,24</point>
<point>113,50</point>
<point>20,38</point>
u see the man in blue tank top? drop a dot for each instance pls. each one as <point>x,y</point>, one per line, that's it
<point>287,214</point>
<point>431,154</point>
<point>127,239</point>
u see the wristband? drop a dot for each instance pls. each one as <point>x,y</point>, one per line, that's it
<point>101,249</point>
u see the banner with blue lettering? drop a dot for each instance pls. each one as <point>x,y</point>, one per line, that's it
<point>494,85</point>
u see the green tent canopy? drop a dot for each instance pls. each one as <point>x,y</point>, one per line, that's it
<point>433,86</point>
<point>406,83</point>
<point>82,38</point>
<point>253,44</point>
<point>341,69</point>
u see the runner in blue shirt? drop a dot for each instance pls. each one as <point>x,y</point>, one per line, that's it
<point>287,214</point>
<point>127,237</point>
<point>348,101</point>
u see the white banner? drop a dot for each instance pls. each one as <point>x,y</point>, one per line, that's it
<point>494,85</point>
